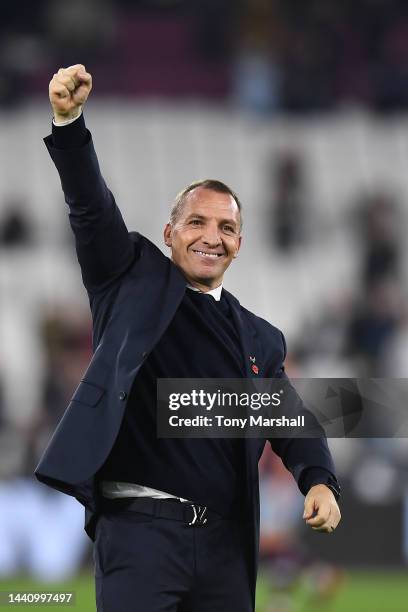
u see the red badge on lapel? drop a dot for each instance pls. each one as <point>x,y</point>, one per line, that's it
<point>254,367</point>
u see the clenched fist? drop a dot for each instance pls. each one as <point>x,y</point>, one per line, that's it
<point>69,89</point>
<point>321,510</point>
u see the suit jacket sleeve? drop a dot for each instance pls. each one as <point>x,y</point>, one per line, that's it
<point>308,459</point>
<point>103,245</point>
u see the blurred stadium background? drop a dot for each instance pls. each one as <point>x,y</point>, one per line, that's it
<point>302,108</point>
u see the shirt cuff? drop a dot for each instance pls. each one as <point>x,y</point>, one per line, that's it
<point>71,134</point>
<point>315,475</point>
<point>68,121</point>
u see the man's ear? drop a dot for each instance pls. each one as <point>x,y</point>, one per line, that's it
<point>167,234</point>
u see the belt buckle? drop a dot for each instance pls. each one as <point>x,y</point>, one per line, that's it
<point>199,519</point>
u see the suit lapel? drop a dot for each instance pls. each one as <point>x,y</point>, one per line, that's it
<point>172,298</point>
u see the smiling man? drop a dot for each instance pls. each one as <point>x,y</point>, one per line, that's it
<point>204,232</point>
<point>175,521</point>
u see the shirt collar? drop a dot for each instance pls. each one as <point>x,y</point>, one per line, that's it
<point>216,293</point>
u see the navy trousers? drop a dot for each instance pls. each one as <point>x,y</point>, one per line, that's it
<point>149,564</point>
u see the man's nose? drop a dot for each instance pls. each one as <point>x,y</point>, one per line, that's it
<point>211,236</point>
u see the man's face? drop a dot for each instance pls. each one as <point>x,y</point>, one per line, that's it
<point>206,237</point>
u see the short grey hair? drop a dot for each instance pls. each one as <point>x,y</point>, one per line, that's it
<point>212,184</point>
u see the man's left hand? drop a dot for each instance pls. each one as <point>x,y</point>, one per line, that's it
<point>321,510</point>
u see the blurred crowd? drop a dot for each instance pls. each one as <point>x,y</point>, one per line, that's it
<point>264,55</point>
<point>367,327</point>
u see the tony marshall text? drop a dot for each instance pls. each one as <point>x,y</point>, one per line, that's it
<point>222,421</point>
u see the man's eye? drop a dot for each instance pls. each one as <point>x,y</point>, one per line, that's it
<point>196,222</point>
<point>229,228</point>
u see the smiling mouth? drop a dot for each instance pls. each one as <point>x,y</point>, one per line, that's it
<point>208,255</point>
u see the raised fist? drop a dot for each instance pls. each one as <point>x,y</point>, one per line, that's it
<point>69,89</point>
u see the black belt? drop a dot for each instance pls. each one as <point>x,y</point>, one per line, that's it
<point>193,515</point>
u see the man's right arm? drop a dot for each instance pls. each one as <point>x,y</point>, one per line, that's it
<point>103,245</point>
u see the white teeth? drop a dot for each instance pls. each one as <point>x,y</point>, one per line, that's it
<point>207,254</point>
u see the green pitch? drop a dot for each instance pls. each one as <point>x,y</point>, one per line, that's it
<point>354,592</point>
<point>358,592</point>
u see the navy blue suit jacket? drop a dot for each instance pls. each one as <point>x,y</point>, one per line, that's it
<point>134,291</point>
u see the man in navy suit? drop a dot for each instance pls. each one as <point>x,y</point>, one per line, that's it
<point>175,522</point>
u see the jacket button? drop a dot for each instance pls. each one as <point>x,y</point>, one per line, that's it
<point>122,395</point>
